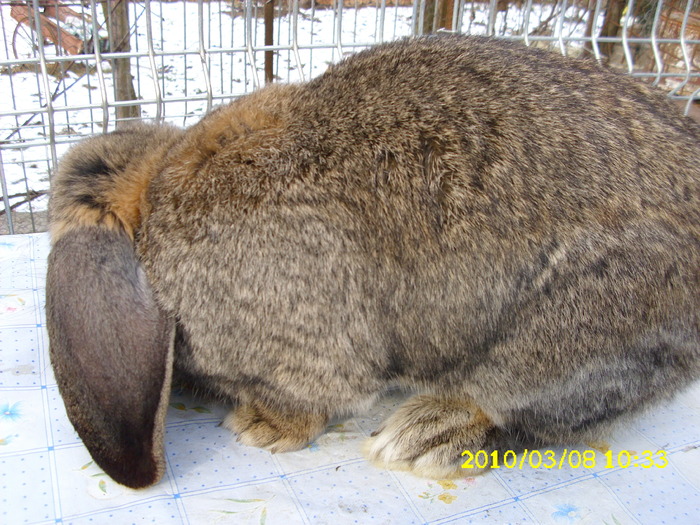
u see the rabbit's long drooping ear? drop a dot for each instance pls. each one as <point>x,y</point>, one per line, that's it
<point>110,344</point>
<point>110,349</point>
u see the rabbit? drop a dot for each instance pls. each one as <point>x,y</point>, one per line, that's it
<point>510,235</point>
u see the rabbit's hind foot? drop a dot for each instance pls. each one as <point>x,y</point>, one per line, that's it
<point>260,426</point>
<point>428,436</point>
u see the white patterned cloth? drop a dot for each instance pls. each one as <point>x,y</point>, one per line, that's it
<point>47,476</point>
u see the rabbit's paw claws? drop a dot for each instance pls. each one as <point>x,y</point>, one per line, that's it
<point>275,431</point>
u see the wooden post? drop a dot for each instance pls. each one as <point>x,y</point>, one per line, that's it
<point>269,40</point>
<point>611,25</point>
<point>440,20</point>
<point>588,33</point>
<point>429,16</point>
<point>117,15</point>
<point>446,12</point>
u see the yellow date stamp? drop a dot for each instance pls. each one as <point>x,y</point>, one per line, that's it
<point>550,459</point>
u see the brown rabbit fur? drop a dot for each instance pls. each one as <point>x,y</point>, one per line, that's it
<point>512,234</point>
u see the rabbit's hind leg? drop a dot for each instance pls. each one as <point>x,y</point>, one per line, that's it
<point>264,427</point>
<point>428,435</point>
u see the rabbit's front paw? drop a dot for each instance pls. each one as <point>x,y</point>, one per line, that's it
<point>427,436</point>
<point>263,427</point>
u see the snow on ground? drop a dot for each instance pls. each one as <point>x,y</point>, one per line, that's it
<point>178,74</point>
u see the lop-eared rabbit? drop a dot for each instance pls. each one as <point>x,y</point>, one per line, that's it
<point>512,235</point>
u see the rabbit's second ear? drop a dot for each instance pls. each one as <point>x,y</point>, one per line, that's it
<point>111,350</point>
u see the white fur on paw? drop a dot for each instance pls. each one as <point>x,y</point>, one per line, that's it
<point>385,454</point>
<point>427,436</point>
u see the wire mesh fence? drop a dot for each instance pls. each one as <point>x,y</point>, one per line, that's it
<point>69,70</point>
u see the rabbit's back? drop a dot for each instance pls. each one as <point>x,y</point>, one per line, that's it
<point>391,218</point>
<point>499,133</point>
<point>494,133</point>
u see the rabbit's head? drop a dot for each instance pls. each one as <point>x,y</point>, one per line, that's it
<point>111,346</point>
